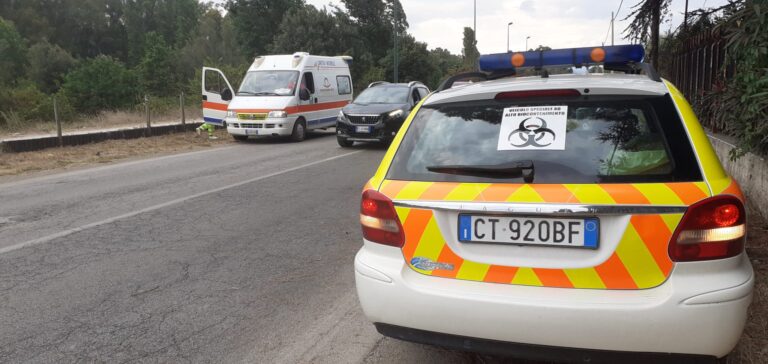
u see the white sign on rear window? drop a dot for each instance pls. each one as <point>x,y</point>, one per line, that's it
<point>533,128</point>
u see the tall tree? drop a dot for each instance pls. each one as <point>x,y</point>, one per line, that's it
<point>469,52</point>
<point>48,64</point>
<point>415,63</point>
<point>13,54</point>
<point>378,21</point>
<point>646,18</point>
<point>315,31</point>
<point>257,22</point>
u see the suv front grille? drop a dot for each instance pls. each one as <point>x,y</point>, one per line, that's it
<point>364,119</point>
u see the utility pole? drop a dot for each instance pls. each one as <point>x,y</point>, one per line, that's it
<point>526,42</point>
<point>613,18</point>
<point>395,61</point>
<point>508,25</point>
<point>685,18</point>
<point>474,26</point>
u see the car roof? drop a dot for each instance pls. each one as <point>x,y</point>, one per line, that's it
<point>597,83</point>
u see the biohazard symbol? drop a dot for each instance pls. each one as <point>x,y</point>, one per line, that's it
<point>532,132</point>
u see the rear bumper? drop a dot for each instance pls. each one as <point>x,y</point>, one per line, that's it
<point>534,352</point>
<point>700,310</point>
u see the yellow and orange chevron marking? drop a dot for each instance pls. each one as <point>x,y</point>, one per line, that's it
<point>667,194</point>
<point>639,261</point>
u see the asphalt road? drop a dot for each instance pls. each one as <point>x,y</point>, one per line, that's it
<point>235,254</point>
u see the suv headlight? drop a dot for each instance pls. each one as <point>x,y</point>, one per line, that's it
<point>396,114</point>
<point>277,114</point>
<point>342,116</point>
<point>231,114</point>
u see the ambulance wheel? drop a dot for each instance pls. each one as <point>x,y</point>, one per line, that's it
<point>240,138</point>
<point>299,131</point>
<point>344,142</point>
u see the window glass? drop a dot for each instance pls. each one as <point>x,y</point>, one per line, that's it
<point>605,142</point>
<point>214,82</point>
<point>384,94</point>
<point>269,83</point>
<point>344,85</point>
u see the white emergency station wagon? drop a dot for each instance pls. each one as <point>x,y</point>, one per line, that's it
<point>575,217</point>
<point>281,95</point>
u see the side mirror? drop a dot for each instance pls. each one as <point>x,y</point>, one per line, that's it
<point>226,95</point>
<point>304,94</point>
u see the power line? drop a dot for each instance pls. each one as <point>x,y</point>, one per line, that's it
<point>612,20</point>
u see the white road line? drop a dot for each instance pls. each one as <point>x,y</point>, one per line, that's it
<point>63,233</point>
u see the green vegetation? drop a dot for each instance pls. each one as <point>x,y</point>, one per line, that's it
<point>98,55</point>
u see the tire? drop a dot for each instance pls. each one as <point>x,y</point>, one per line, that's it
<point>344,143</point>
<point>240,138</point>
<point>299,131</point>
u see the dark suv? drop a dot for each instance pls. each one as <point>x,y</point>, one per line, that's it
<point>378,112</point>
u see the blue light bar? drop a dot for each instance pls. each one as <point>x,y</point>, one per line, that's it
<point>617,55</point>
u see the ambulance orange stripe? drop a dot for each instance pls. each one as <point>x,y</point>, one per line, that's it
<point>438,191</point>
<point>689,193</point>
<point>553,278</point>
<point>500,274</point>
<point>655,234</point>
<point>448,256</point>
<point>215,106</point>
<point>625,194</point>
<point>414,227</point>
<point>316,107</point>
<point>614,274</point>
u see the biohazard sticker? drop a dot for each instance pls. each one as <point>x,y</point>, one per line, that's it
<point>533,128</point>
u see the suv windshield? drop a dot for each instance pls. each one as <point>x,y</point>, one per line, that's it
<point>391,94</point>
<point>606,140</point>
<point>269,83</point>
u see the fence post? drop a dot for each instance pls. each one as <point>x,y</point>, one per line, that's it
<point>183,115</point>
<point>58,122</point>
<point>146,110</point>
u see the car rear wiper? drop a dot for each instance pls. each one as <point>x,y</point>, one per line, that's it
<point>516,169</point>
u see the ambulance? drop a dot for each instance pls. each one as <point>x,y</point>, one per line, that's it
<point>280,96</point>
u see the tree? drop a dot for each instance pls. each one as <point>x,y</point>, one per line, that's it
<point>470,53</point>
<point>315,31</point>
<point>48,64</point>
<point>414,62</point>
<point>157,68</point>
<point>377,21</point>
<point>13,54</point>
<point>101,83</point>
<point>257,21</point>
<point>646,19</point>
<point>447,64</point>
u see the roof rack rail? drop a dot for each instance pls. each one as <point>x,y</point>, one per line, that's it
<point>472,77</point>
<point>413,83</point>
<point>376,83</point>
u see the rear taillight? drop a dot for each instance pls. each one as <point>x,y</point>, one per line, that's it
<point>379,220</point>
<point>714,228</point>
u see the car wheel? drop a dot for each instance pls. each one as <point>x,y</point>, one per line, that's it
<point>299,131</point>
<point>240,138</point>
<point>344,142</point>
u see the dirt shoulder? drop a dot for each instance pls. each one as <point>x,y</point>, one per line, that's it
<point>14,165</point>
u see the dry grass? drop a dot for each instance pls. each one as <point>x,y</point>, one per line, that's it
<point>13,164</point>
<point>104,120</point>
<point>753,347</point>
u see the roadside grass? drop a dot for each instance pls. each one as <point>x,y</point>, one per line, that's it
<point>12,164</point>
<point>104,120</point>
<point>753,346</point>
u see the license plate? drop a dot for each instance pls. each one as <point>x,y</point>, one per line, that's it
<point>363,129</point>
<point>251,131</point>
<point>522,230</point>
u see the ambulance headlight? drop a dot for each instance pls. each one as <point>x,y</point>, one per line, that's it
<point>231,114</point>
<point>396,114</point>
<point>278,114</point>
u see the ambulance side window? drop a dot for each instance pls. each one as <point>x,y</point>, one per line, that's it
<point>308,82</point>
<point>344,85</point>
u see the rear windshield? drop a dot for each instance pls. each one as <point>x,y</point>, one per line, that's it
<point>581,140</point>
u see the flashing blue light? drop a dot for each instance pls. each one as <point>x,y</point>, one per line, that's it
<point>622,54</point>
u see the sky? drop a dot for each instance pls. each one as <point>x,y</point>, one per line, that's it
<point>554,23</point>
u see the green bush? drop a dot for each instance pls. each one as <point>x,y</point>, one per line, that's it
<point>13,54</point>
<point>101,83</point>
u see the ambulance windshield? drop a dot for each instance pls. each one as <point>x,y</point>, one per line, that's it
<point>269,83</point>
